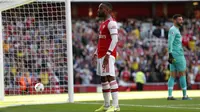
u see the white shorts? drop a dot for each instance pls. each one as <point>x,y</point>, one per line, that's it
<point>109,69</point>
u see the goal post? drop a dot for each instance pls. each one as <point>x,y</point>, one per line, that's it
<point>36,42</point>
<point>69,51</point>
<point>1,63</point>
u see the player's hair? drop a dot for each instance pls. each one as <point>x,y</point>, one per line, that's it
<point>109,5</point>
<point>176,16</point>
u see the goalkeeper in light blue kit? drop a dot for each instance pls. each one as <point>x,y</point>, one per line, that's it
<point>176,58</point>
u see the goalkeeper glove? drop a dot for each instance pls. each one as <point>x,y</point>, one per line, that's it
<point>171,58</point>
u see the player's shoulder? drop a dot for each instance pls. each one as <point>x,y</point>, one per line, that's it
<point>173,29</point>
<point>112,23</point>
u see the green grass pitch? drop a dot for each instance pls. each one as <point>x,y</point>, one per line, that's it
<point>139,105</point>
<point>86,103</point>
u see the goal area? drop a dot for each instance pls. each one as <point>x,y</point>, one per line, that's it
<point>36,46</point>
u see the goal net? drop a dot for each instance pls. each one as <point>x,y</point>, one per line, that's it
<point>34,46</point>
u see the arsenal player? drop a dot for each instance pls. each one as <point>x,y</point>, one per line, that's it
<point>106,54</point>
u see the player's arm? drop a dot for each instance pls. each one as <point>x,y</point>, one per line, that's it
<point>171,37</point>
<point>94,56</point>
<point>95,52</point>
<point>112,27</point>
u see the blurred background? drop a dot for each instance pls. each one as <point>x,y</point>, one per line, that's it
<point>142,46</point>
<point>39,54</point>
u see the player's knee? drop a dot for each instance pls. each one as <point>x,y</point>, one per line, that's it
<point>105,86</point>
<point>113,86</point>
<point>181,74</point>
<point>173,74</point>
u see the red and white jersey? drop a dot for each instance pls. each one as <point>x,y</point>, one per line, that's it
<point>107,28</point>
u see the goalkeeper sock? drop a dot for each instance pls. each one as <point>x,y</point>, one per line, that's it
<point>170,86</point>
<point>106,93</point>
<point>183,84</point>
<point>114,93</point>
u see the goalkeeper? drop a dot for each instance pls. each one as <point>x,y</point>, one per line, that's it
<point>176,58</point>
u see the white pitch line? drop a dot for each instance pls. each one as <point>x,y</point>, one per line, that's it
<point>152,106</point>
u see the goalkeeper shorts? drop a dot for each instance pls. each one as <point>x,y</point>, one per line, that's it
<point>109,69</point>
<point>179,65</point>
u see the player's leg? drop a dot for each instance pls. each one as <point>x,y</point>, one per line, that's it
<point>110,72</point>
<point>106,94</point>
<point>181,72</point>
<point>105,87</point>
<point>114,90</point>
<point>171,84</point>
<point>183,85</point>
<point>106,91</point>
<point>114,94</point>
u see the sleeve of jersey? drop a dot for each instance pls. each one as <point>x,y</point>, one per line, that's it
<point>112,27</point>
<point>171,36</point>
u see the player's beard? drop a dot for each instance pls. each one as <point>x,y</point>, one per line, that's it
<point>101,14</point>
<point>179,24</point>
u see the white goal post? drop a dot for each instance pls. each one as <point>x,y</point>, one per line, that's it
<point>10,4</point>
<point>1,61</point>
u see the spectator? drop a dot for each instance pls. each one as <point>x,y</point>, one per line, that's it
<point>25,83</point>
<point>86,75</point>
<point>197,78</point>
<point>135,65</point>
<point>125,77</point>
<point>190,78</point>
<point>44,77</point>
<point>140,80</point>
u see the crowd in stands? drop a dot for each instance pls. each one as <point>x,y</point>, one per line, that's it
<point>36,51</point>
<point>142,47</point>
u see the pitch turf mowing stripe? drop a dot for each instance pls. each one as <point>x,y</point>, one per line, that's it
<point>150,106</point>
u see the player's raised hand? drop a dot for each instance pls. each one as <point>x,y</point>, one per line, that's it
<point>105,61</point>
<point>171,58</point>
